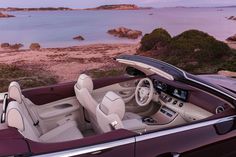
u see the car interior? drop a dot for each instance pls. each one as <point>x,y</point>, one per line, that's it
<point>142,104</point>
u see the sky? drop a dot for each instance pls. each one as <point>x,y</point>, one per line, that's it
<point>94,3</point>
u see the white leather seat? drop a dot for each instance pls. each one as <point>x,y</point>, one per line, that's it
<point>18,116</point>
<point>110,115</point>
<point>83,90</point>
<point>14,92</point>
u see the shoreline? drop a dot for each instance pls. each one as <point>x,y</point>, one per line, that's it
<point>67,63</point>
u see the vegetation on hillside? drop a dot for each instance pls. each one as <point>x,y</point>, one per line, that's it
<point>157,38</point>
<point>26,78</point>
<point>193,50</point>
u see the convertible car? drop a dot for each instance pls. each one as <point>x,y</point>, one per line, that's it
<point>154,110</point>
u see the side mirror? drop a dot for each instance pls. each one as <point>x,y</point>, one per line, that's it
<point>134,72</point>
<point>225,127</point>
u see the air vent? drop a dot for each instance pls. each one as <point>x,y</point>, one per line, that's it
<point>219,109</point>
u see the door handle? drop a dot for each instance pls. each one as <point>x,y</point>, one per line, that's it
<point>99,152</point>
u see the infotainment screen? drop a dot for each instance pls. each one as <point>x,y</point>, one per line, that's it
<point>181,94</point>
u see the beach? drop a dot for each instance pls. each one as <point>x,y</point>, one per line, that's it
<point>67,63</point>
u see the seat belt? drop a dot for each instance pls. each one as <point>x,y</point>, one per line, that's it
<point>31,112</point>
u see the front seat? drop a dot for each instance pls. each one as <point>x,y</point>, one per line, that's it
<point>18,116</point>
<point>110,115</point>
<point>83,90</point>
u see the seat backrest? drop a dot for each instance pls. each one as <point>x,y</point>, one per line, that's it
<point>83,89</point>
<point>110,112</point>
<point>18,117</point>
<point>14,92</point>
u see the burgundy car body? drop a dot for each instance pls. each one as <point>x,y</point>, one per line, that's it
<point>214,136</point>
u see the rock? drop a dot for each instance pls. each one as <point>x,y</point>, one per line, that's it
<point>227,73</point>
<point>232,38</point>
<point>80,38</point>
<point>232,18</point>
<point>116,7</point>
<point>5,45</point>
<point>35,46</point>
<point>123,32</point>
<point>2,15</point>
<point>16,46</point>
<point>13,46</point>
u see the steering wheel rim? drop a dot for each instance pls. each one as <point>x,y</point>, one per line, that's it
<point>144,94</point>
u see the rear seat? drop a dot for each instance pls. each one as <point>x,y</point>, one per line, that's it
<point>18,116</point>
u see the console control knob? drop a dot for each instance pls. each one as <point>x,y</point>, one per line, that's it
<point>175,102</point>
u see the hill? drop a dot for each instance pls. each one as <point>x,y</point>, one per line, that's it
<point>118,7</point>
<point>193,50</point>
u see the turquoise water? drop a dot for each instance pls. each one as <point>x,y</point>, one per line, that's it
<point>57,28</point>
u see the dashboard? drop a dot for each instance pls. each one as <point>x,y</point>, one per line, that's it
<point>170,90</point>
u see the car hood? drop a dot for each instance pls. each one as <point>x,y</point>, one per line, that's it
<point>152,66</point>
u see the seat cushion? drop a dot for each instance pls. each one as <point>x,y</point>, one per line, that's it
<point>66,132</point>
<point>130,115</point>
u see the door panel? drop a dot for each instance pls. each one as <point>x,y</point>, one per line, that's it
<point>125,150</point>
<point>224,148</point>
<point>110,143</point>
<point>126,92</point>
<point>178,140</point>
<point>44,95</point>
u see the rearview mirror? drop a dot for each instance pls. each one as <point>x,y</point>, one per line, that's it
<point>134,72</point>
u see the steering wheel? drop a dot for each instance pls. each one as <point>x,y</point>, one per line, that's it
<point>144,92</point>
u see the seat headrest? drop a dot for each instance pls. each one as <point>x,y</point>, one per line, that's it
<point>84,81</point>
<point>14,92</point>
<point>113,104</point>
<point>14,117</point>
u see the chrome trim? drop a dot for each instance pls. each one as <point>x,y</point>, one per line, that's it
<point>90,149</point>
<point>99,147</point>
<point>219,109</point>
<point>183,128</point>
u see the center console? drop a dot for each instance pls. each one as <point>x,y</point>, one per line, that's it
<point>164,116</point>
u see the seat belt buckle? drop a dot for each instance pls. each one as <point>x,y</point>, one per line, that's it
<point>113,125</point>
<point>36,123</point>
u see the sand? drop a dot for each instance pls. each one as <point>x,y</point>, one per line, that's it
<point>67,63</point>
<point>232,45</point>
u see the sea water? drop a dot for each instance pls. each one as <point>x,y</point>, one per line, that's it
<point>57,28</point>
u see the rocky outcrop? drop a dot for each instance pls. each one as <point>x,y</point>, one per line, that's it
<point>35,46</point>
<point>231,38</point>
<point>227,73</point>
<point>79,38</point>
<point>232,18</point>
<point>36,9</point>
<point>123,32</point>
<point>5,45</point>
<point>118,7</point>
<point>16,46</point>
<point>2,15</point>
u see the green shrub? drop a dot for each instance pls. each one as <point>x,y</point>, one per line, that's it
<point>158,37</point>
<point>192,50</point>
<point>194,45</point>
